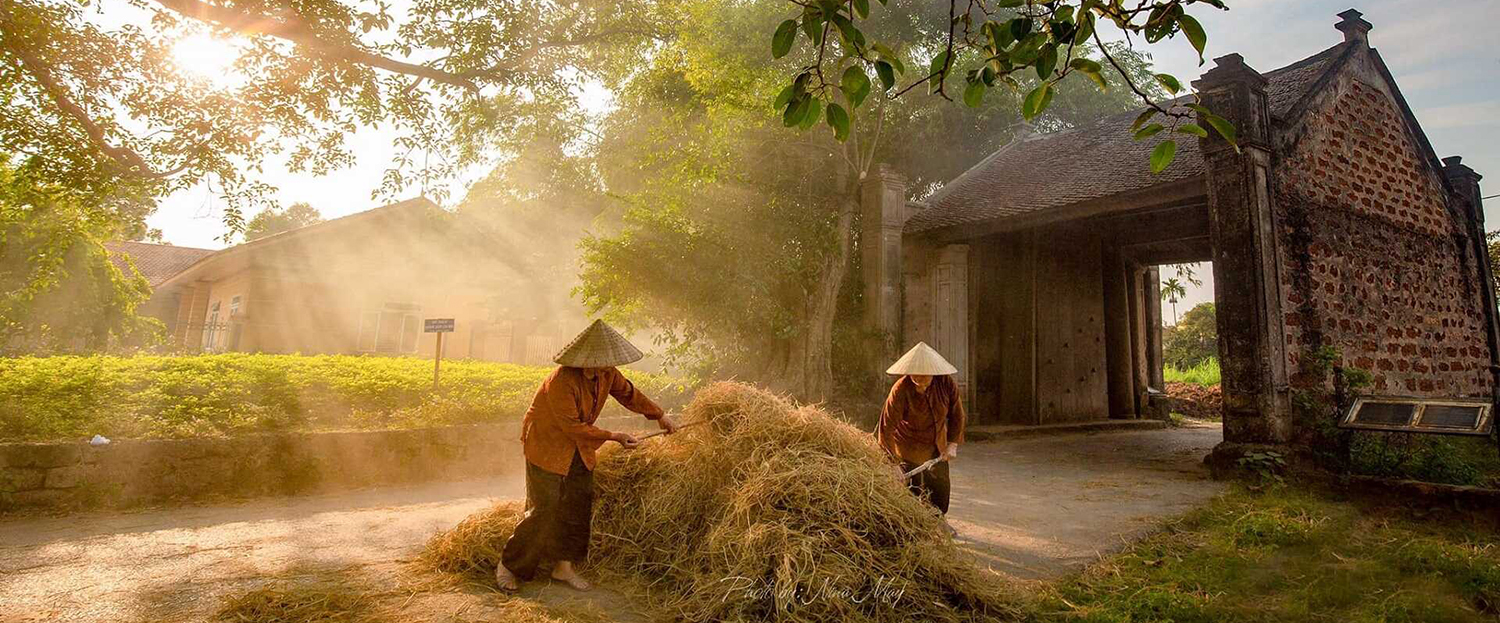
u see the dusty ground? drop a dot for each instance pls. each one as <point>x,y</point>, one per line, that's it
<point>1031,508</point>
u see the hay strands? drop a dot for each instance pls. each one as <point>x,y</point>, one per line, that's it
<point>923,467</point>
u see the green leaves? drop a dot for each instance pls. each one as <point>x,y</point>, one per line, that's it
<point>1223,127</point>
<point>1163,155</point>
<point>1193,129</point>
<point>887,75</point>
<point>1170,83</point>
<point>1194,32</point>
<point>1142,119</point>
<point>1149,131</point>
<point>1037,101</point>
<point>1085,29</point>
<point>974,93</point>
<point>1219,124</point>
<point>939,62</point>
<point>838,119</point>
<point>797,110</point>
<point>1091,69</point>
<point>855,85</point>
<point>786,35</point>
<point>1046,61</point>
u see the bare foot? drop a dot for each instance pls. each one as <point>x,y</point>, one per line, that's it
<point>505,579</point>
<point>564,572</point>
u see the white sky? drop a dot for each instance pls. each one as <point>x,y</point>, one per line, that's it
<point>1441,53</point>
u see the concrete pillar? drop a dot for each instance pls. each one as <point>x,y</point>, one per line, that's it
<point>1155,376</point>
<point>1470,200</point>
<point>883,212</point>
<point>1247,283</point>
<point>1119,365</point>
<point>950,304</point>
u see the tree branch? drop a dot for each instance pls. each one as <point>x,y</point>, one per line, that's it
<point>300,34</point>
<point>127,159</point>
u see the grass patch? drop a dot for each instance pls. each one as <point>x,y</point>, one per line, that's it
<point>142,396</point>
<point>1206,373</point>
<point>1293,555</point>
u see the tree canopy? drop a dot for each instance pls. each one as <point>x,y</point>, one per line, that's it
<point>733,227</point>
<point>274,221</point>
<point>60,288</point>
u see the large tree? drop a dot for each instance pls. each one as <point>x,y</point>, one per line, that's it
<point>738,238</point>
<point>60,289</point>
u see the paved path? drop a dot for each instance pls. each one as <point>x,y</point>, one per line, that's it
<point>1032,508</point>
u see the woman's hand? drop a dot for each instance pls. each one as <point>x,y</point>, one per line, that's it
<point>625,439</point>
<point>951,452</point>
<point>667,424</point>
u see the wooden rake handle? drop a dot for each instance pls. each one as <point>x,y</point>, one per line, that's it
<point>664,431</point>
<point>923,467</point>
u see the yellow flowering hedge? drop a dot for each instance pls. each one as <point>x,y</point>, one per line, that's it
<point>145,396</point>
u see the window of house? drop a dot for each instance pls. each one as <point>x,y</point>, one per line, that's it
<point>234,306</point>
<point>211,328</point>
<point>369,326</point>
<point>392,329</point>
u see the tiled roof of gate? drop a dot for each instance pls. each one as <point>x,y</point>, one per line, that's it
<point>1089,162</point>
<point>157,262</point>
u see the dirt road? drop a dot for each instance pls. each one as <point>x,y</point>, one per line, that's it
<point>1031,508</point>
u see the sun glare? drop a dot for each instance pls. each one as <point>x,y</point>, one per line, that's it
<point>207,57</point>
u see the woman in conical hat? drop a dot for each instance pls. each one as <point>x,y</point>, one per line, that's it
<point>923,419</point>
<point>559,440</point>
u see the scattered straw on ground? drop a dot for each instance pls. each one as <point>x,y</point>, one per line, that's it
<point>772,512</point>
<point>317,602</point>
<point>345,597</point>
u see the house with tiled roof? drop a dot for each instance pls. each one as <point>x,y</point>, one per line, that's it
<point>360,284</point>
<point>1333,228</point>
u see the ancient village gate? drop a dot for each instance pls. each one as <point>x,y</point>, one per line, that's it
<point>1333,226</point>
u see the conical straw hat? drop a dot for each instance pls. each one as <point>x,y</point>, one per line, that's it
<point>921,359</point>
<point>599,346</point>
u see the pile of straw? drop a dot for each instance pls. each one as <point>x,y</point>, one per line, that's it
<point>772,511</point>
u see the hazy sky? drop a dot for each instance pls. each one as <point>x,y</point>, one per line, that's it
<point>1440,51</point>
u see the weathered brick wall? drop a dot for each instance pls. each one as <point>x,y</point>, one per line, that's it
<point>1374,262</point>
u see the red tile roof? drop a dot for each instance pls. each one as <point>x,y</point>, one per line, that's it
<point>157,262</point>
<point>1088,162</point>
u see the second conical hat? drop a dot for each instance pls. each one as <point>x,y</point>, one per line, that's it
<point>599,346</point>
<point>922,359</point>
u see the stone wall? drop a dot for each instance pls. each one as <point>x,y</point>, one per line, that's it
<point>126,473</point>
<point>1375,261</point>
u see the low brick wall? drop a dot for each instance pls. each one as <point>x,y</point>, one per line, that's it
<point>125,473</point>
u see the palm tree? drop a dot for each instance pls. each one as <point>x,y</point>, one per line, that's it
<point>1173,291</point>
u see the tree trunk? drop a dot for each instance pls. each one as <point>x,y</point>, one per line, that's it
<point>810,364</point>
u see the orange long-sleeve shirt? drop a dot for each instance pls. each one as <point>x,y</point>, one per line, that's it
<point>561,418</point>
<point>916,426</point>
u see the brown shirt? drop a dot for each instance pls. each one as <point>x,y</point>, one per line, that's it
<point>562,415</point>
<point>916,426</point>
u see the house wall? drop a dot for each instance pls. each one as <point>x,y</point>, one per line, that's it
<point>1376,261</point>
<point>221,292</point>
<point>310,293</point>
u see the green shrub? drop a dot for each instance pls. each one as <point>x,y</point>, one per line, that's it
<point>1205,373</point>
<point>48,398</point>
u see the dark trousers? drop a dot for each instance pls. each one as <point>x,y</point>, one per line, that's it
<point>556,527</point>
<point>932,485</point>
